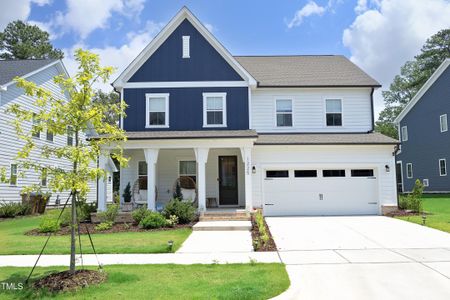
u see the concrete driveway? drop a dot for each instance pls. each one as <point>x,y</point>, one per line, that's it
<point>364,257</point>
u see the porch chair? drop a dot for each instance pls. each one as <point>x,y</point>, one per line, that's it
<point>188,189</point>
<point>136,198</point>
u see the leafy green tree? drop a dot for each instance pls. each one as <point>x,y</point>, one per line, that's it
<point>20,40</point>
<point>413,75</point>
<point>111,98</point>
<point>81,114</point>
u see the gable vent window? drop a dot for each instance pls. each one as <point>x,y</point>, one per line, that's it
<point>186,46</point>
<point>284,112</point>
<point>333,112</point>
<point>443,122</point>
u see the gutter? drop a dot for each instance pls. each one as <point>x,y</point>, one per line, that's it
<point>372,109</point>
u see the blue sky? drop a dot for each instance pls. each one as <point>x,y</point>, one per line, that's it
<point>377,35</point>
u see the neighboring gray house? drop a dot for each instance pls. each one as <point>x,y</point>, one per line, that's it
<point>425,138</point>
<point>41,72</point>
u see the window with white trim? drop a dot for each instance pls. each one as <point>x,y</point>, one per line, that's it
<point>13,174</point>
<point>409,170</point>
<point>49,136</point>
<point>404,133</point>
<point>35,127</point>
<point>44,177</point>
<point>284,112</point>
<point>214,109</point>
<point>333,109</point>
<point>443,167</point>
<point>443,122</point>
<point>186,46</point>
<point>188,168</point>
<point>157,110</point>
<point>70,135</point>
<point>426,182</point>
<point>142,175</point>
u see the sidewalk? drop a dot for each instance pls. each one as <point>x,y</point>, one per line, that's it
<point>133,259</point>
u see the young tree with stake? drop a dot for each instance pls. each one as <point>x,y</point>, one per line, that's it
<point>78,115</point>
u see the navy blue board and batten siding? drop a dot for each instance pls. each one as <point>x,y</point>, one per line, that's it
<point>186,108</point>
<point>167,64</point>
<point>426,143</point>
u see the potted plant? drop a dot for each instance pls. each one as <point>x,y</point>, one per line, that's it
<point>127,206</point>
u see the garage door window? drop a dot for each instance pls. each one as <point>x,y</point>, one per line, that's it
<point>305,173</point>
<point>277,174</point>
<point>333,173</point>
<point>362,173</point>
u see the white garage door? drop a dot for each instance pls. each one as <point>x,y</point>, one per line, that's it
<point>323,191</point>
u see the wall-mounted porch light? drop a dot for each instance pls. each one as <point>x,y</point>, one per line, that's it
<point>387,168</point>
<point>254,170</point>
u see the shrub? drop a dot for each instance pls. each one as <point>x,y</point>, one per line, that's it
<point>153,220</point>
<point>413,201</point>
<point>139,214</point>
<point>104,226</point>
<point>263,236</point>
<point>49,224</point>
<point>14,209</point>
<point>172,221</point>
<point>185,211</point>
<point>127,193</point>
<point>403,202</point>
<point>84,211</point>
<point>110,214</point>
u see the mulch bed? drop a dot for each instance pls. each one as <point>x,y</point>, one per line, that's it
<point>404,213</point>
<point>119,227</point>
<point>70,281</point>
<point>270,245</point>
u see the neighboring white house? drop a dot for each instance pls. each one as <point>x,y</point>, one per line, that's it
<point>292,135</point>
<point>41,72</point>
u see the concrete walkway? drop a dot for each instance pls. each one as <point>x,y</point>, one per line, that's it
<point>368,257</point>
<point>138,259</point>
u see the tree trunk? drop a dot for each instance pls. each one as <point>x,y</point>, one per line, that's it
<point>73,232</point>
<point>74,213</point>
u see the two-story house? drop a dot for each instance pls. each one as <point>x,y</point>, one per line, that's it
<point>292,135</point>
<point>41,72</point>
<point>424,135</point>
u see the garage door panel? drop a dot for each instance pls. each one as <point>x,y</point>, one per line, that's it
<point>320,196</point>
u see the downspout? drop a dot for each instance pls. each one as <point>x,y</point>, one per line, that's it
<point>372,110</point>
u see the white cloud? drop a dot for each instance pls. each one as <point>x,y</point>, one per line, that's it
<point>310,9</point>
<point>85,16</point>
<point>361,6</point>
<point>381,39</point>
<point>17,10</point>
<point>210,27</point>
<point>118,57</point>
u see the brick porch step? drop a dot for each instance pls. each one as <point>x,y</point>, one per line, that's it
<point>225,216</point>
<point>223,226</point>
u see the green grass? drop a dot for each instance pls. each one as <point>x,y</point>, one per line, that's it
<point>232,281</point>
<point>438,209</point>
<point>13,240</point>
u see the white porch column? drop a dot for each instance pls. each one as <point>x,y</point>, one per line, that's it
<point>102,183</point>
<point>201,155</point>
<point>151,157</point>
<point>246,153</point>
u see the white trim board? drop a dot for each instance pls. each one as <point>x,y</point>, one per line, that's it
<point>185,84</point>
<point>183,14</point>
<point>423,90</point>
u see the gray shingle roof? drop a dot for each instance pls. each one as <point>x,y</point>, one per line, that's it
<point>137,135</point>
<point>305,71</point>
<point>12,68</point>
<point>374,138</point>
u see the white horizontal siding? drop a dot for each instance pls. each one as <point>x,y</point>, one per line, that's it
<point>309,109</point>
<point>347,157</point>
<point>167,171</point>
<point>10,144</point>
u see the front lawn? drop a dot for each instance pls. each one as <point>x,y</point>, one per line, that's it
<point>438,209</point>
<point>233,281</point>
<point>13,240</point>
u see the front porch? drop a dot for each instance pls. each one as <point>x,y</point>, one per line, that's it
<point>219,169</point>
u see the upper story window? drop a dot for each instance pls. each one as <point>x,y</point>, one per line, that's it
<point>284,112</point>
<point>443,167</point>
<point>443,123</point>
<point>49,136</point>
<point>333,112</point>
<point>157,110</point>
<point>186,46</point>
<point>35,130</point>
<point>409,170</point>
<point>70,135</point>
<point>404,133</point>
<point>214,109</point>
